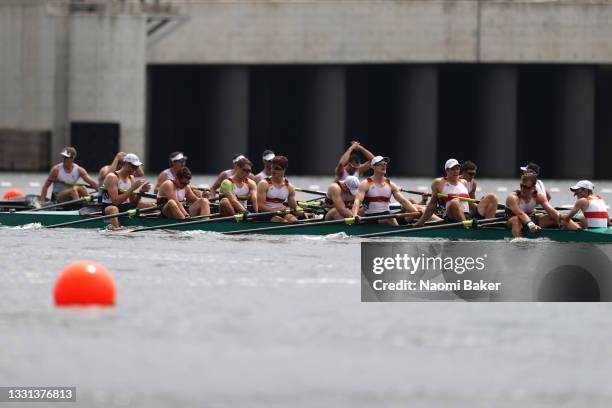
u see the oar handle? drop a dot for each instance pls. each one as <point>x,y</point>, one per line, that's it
<point>466,199</point>
<point>303,190</point>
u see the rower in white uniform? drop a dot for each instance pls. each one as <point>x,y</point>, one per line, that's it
<point>376,192</point>
<point>238,190</point>
<point>446,192</point>
<point>114,166</point>
<point>350,163</point>
<point>65,176</point>
<point>266,161</point>
<point>120,189</point>
<point>340,197</point>
<point>274,191</point>
<point>533,168</point>
<point>593,208</point>
<point>175,194</point>
<point>520,206</point>
<point>225,174</point>
<point>177,161</point>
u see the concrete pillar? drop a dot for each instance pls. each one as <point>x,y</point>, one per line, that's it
<point>575,143</point>
<point>33,70</point>
<point>417,132</point>
<point>496,143</point>
<point>324,120</point>
<point>228,119</point>
<point>107,74</point>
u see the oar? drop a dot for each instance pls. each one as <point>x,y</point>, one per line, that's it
<point>131,213</point>
<point>237,217</point>
<point>303,190</point>
<point>73,184</point>
<point>415,192</point>
<point>85,199</point>
<point>348,221</point>
<point>465,224</point>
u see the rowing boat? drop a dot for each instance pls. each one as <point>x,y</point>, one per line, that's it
<point>45,218</point>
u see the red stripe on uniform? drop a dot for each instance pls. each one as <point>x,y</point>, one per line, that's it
<point>379,199</point>
<point>596,214</point>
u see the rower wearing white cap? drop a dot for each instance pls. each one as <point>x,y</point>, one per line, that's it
<point>266,161</point>
<point>533,168</point>
<point>520,206</point>
<point>593,208</point>
<point>120,189</point>
<point>340,196</point>
<point>375,193</point>
<point>65,176</point>
<point>177,161</point>
<point>350,163</point>
<point>114,166</point>
<point>236,191</point>
<point>446,193</point>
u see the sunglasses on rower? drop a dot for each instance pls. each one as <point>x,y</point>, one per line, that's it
<point>246,169</point>
<point>526,187</point>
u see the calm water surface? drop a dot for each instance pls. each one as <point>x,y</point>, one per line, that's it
<point>209,320</point>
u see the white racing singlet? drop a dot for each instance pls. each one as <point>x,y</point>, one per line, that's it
<point>455,190</point>
<point>377,197</point>
<point>71,177</point>
<point>596,213</point>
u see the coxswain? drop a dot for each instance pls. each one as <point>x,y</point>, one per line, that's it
<point>521,204</point>
<point>376,191</point>
<point>593,208</point>
<point>447,192</point>
<point>266,161</point>
<point>238,190</point>
<point>174,194</point>
<point>273,192</point>
<point>340,197</point>
<point>119,194</point>
<point>114,166</point>
<point>350,163</point>
<point>65,176</point>
<point>535,169</point>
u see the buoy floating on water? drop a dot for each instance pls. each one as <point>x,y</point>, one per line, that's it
<point>12,193</point>
<point>84,283</point>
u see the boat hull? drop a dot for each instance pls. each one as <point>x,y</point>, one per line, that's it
<point>46,218</point>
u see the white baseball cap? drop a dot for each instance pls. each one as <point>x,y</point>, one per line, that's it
<point>132,159</point>
<point>268,156</point>
<point>236,159</point>
<point>377,159</point>
<point>66,153</point>
<point>583,184</point>
<point>450,163</point>
<point>178,157</point>
<point>352,183</point>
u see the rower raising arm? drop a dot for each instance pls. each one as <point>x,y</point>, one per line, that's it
<point>345,160</point>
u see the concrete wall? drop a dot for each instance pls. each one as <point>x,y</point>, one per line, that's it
<point>107,74</point>
<point>32,69</point>
<point>370,31</point>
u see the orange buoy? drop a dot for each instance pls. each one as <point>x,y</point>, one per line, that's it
<point>12,193</point>
<point>84,283</point>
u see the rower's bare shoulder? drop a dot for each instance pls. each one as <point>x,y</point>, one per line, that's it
<point>438,183</point>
